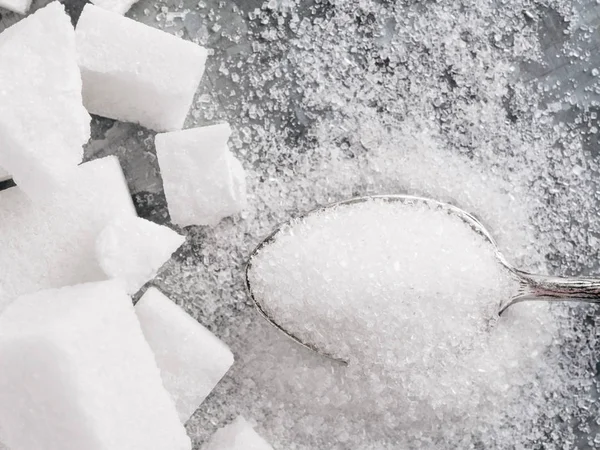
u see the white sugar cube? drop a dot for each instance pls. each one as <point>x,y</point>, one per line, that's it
<point>4,175</point>
<point>132,249</point>
<point>136,73</point>
<point>202,179</point>
<point>191,359</point>
<point>238,435</point>
<point>51,244</point>
<point>43,123</point>
<point>116,6</point>
<point>76,373</point>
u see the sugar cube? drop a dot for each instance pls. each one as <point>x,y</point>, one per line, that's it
<point>43,124</point>
<point>76,373</point>
<point>202,179</point>
<point>238,435</point>
<point>136,73</point>
<point>4,175</point>
<point>191,359</point>
<point>116,6</point>
<point>51,244</point>
<point>132,249</point>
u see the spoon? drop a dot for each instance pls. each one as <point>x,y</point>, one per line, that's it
<point>532,287</point>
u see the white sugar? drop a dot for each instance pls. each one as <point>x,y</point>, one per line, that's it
<point>400,285</point>
<point>238,435</point>
<point>116,6</point>
<point>51,244</point>
<point>191,359</point>
<point>43,124</point>
<point>76,373</point>
<point>133,249</point>
<point>202,179</point>
<point>135,73</point>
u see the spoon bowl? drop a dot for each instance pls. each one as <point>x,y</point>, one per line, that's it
<point>531,287</point>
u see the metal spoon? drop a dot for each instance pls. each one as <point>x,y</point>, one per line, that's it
<point>531,287</point>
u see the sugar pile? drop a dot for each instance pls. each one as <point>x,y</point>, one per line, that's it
<point>408,292</point>
<point>453,100</point>
<point>397,283</point>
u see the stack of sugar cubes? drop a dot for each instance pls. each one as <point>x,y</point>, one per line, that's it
<point>152,81</point>
<point>80,366</point>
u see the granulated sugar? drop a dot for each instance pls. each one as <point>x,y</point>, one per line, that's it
<point>469,102</point>
<point>410,293</point>
<point>395,283</point>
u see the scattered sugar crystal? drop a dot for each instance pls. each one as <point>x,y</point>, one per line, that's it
<point>452,100</point>
<point>76,373</point>
<point>51,244</point>
<point>132,249</point>
<point>191,359</point>
<point>4,175</point>
<point>135,73</point>
<point>43,124</point>
<point>238,435</point>
<point>202,179</point>
<point>116,6</point>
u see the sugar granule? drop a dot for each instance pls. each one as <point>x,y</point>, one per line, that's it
<point>490,106</point>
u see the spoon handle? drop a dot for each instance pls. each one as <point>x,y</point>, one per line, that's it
<point>547,288</point>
